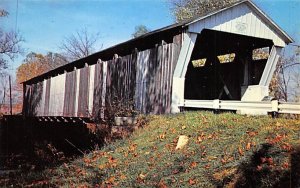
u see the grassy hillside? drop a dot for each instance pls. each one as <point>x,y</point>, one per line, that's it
<point>223,150</point>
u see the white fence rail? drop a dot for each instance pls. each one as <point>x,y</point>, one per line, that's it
<point>267,106</point>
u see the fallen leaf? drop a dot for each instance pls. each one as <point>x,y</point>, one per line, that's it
<point>223,160</point>
<point>258,168</point>
<point>162,184</point>
<point>270,161</point>
<point>220,175</point>
<point>173,130</point>
<point>102,166</point>
<point>210,136</point>
<point>142,176</point>
<point>285,165</point>
<point>176,171</point>
<point>263,159</point>
<point>207,166</point>
<point>193,164</point>
<point>110,180</point>
<point>162,136</point>
<point>192,181</point>
<point>287,146</point>
<point>248,146</point>
<point>112,160</point>
<point>252,133</point>
<point>241,151</point>
<point>65,165</point>
<point>87,160</point>
<point>200,139</point>
<point>122,177</point>
<point>132,147</point>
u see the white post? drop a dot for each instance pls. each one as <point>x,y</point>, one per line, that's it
<point>216,104</point>
<point>180,71</point>
<point>177,94</point>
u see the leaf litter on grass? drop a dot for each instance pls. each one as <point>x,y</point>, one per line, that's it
<point>223,150</point>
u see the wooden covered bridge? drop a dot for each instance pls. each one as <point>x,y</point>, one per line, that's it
<point>208,58</point>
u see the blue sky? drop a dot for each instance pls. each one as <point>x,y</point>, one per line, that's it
<point>44,23</point>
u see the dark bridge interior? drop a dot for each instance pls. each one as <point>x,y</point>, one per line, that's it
<point>210,78</point>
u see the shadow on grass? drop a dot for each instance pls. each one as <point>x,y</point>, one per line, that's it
<point>269,167</point>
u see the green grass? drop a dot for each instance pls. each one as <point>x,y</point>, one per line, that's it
<point>223,150</point>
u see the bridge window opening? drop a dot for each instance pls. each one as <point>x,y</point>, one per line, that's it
<point>226,58</point>
<point>260,53</point>
<point>199,62</point>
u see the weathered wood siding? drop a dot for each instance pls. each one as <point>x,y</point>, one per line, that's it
<point>143,78</point>
<point>82,110</point>
<point>120,81</point>
<point>70,91</point>
<point>47,96</point>
<point>98,89</point>
<point>33,99</point>
<point>155,68</point>
<point>91,88</point>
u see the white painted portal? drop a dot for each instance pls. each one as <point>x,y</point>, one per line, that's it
<point>242,19</point>
<point>180,71</point>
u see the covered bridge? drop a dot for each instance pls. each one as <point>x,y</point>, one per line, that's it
<point>208,58</point>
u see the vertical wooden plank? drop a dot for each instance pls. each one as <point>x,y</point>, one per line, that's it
<point>138,82</point>
<point>166,86</point>
<point>47,97</point>
<point>28,100</point>
<point>42,110</point>
<point>170,64</point>
<point>104,86</point>
<point>107,84</point>
<point>98,88</point>
<point>161,80</point>
<point>141,67</point>
<point>67,95</point>
<point>146,78</point>
<point>61,94</point>
<point>73,93</point>
<point>158,80</point>
<point>51,91</point>
<point>91,89</point>
<point>137,87</point>
<point>83,92</point>
<point>77,92</point>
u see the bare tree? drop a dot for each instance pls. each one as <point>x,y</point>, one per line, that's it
<point>9,44</point>
<point>79,45</point>
<point>285,80</point>
<point>3,13</point>
<point>295,79</point>
<point>140,30</point>
<point>3,91</point>
<point>54,60</point>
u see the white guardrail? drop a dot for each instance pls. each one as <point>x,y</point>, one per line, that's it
<point>268,106</point>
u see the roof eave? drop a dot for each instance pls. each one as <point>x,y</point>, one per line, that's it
<point>173,26</point>
<point>255,8</point>
<point>288,39</point>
